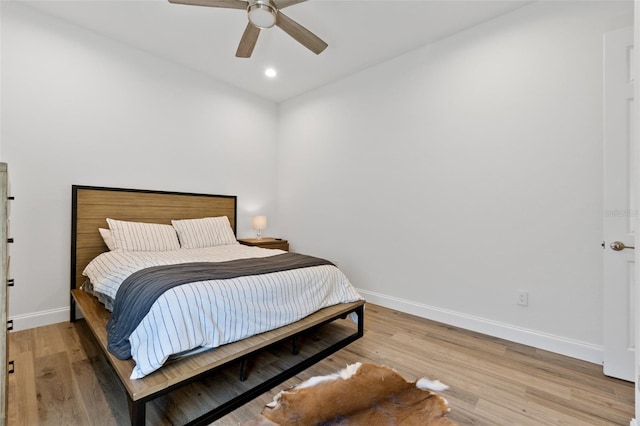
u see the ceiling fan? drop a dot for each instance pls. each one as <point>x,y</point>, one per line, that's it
<point>264,14</point>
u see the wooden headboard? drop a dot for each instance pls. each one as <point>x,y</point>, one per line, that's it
<point>91,206</point>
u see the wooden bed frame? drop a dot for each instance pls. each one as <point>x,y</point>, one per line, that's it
<point>90,208</point>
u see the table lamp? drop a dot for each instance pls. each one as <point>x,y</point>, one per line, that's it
<point>259,223</point>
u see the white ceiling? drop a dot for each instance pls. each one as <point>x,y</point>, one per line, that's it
<point>360,33</point>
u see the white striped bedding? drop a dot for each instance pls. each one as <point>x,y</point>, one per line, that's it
<point>212,313</point>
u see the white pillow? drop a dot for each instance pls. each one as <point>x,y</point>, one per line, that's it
<point>140,236</point>
<point>205,232</point>
<point>107,238</point>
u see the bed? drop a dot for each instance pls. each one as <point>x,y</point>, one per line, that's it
<point>91,206</point>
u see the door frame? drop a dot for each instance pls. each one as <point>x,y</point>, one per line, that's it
<point>636,40</point>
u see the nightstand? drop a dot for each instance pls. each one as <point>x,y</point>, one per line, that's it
<point>265,242</point>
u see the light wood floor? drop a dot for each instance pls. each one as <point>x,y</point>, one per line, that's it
<point>61,379</point>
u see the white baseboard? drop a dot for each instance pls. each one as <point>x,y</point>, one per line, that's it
<point>633,422</point>
<point>537,339</point>
<point>39,319</point>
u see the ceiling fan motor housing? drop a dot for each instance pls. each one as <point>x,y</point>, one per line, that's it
<point>262,13</point>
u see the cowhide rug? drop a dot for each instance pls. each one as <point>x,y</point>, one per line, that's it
<point>361,394</point>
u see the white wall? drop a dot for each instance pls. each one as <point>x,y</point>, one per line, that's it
<point>81,109</point>
<point>449,178</point>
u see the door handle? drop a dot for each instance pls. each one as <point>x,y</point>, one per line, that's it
<point>619,246</point>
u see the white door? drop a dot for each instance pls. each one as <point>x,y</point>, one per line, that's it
<point>620,177</point>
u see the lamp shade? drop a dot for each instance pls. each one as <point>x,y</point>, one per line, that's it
<point>259,222</point>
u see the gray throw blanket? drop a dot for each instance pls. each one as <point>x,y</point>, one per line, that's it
<point>139,291</point>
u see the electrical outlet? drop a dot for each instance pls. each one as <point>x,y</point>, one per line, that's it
<point>523,298</point>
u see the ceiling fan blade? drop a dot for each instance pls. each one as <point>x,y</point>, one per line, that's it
<point>301,34</point>
<point>248,41</point>
<point>227,4</point>
<point>281,4</point>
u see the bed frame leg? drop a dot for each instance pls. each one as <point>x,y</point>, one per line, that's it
<point>72,310</point>
<point>360,314</point>
<point>243,370</point>
<point>294,345</point>
<point>137,412</point>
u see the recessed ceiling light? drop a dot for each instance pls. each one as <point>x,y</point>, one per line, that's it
<point>270,72</point>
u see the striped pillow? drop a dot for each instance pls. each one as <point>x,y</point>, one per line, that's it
<point>140,236</point>
<point>107,238</point>
<point>205,232</point>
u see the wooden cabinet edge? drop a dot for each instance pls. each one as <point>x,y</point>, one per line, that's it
<point>6,367</point>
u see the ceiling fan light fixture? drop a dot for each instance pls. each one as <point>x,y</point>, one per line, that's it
<point>262,14</point>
